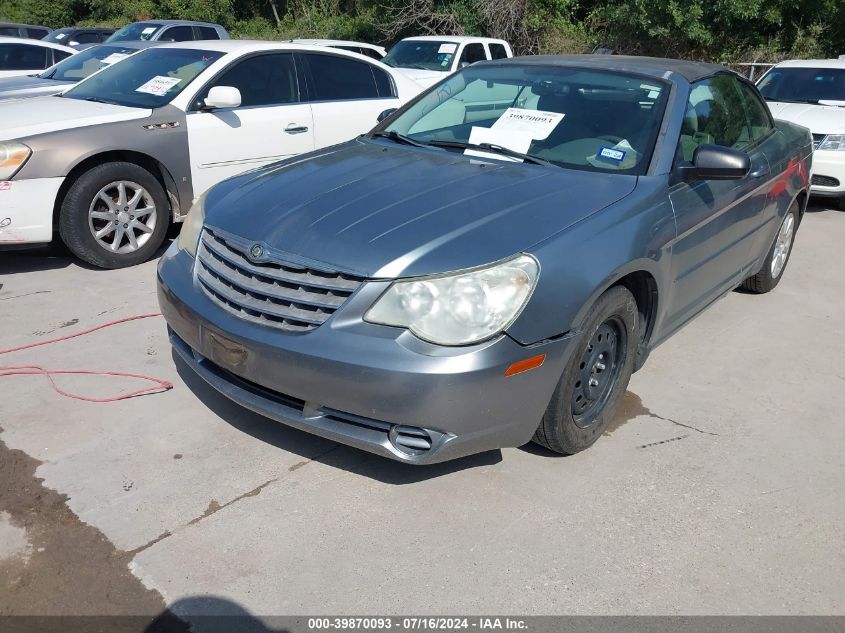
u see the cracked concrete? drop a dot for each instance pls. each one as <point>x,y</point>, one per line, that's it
<point>716,490</point>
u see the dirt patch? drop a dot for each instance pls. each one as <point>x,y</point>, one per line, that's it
<point>73,569</point>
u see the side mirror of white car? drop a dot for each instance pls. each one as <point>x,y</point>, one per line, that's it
<point>223,97</point>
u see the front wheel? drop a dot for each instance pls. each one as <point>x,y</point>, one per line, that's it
<point>587,395</point>
<point>777,257</point>
<point>114,215</point>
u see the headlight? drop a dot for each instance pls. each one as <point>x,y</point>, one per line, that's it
<point>189,236</point>
<point>459,308</point>
<point>12,157</point>
<point>833,142</point>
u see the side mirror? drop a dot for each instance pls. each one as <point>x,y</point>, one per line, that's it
<point>714,162</point>
<point>222,97</point>
<point>385,114</point>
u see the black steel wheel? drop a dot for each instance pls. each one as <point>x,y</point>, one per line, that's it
<point>595,377</point>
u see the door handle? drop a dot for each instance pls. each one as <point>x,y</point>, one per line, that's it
<point>293,128</point>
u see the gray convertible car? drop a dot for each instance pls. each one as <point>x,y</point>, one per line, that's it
<point>491,263</point>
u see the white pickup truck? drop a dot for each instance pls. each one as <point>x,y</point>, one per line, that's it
<point>428,59</point>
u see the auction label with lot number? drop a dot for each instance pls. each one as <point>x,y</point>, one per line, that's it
<point>421,623</point>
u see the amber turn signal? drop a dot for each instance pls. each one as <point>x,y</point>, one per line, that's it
<point>525,365</point>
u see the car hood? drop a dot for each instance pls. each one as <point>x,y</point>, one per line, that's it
<point>26,87</point>
<point>382,210</point>
<point>423,77</point>
<point>821,119</point>
<point>19,119</point>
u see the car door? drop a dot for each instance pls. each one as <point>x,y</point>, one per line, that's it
<point>271,123</point>
<point>177,34</point>
<point>718,221</point>
<point>471,53</point>
<point>346,95</point>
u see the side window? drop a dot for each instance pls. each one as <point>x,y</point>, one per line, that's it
<point>10,31</point>
<point>59,56</point>
<point>715,115</point>
<point>372,53</point>
<point>498,51</point>
<point>756,112</point>
<point>263,80</point>
<point>87,37</point>
<point>36,34</point>
<point>336,78</point>
<point>23,57</point>
<point>209,33</point>
<point>472,53</point>
<point>178,34</point>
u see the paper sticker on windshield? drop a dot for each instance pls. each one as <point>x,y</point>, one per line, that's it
<point>114,58</point>
<point>61,36</point>
<point>447,48</point>
<point>158,85</point>
<point>148,30</point>
<point>511,139</point>
<point>534,124</point>
<point>612,154</point>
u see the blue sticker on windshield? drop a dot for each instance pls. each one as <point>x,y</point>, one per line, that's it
<point>609,153</point>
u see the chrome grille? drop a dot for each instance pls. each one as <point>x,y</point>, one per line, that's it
<point>279,294</point>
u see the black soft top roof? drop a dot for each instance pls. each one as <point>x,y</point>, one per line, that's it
<point>654,66</point>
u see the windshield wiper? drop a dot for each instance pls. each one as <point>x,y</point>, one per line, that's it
<point>398,138</point>
<point>494,149</point>
<point>98,100</point>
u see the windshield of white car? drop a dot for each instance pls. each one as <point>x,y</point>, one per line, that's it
<point>578,118</point>
<point>150,79</point>
<point>803,85</point>
<point>78,67</point>
<point>135,31</point>
<point>421,55</point>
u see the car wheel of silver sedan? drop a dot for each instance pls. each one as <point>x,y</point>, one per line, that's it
<point>596,376</point>
<point>777,257</point>
<point>114,215</point>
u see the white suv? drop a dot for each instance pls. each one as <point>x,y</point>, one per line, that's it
<point>430,58</point>
<point>812,93</point>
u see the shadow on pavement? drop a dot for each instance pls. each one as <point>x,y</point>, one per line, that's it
<point>315,448</point>
<point>208,614</point>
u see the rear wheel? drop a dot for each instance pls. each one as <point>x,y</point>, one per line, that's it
<point>777,257</point>
<point>114,215</point>
<point>597,375</point>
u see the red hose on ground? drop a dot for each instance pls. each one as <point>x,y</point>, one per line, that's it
<point>35,370</point>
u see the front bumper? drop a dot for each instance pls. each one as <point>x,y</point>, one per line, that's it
<point>828,168</point>
<point>26,210</point>
<point>377,388</point>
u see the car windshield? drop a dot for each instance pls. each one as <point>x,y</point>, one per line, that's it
<point>58,36</point>
<point>150,79</point>
<point>78,67</point>
<point>135,31</point>
<point>572,117</point>
<point>422,55</point>
<point>803,85</point>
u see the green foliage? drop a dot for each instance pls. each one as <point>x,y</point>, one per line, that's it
<point>721,30</point>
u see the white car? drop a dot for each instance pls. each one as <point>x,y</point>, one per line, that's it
<point>430,58</point>
<point>19,56</point>
<point>370,50</point>
<point>812,93</point>
<point>113,160</point>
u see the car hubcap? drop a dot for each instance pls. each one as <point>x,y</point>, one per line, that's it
<point>122,217</point>
<point>782,245</point>
<point>597,372</point>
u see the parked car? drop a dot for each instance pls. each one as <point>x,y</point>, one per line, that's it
<point>68,72</point>
<point>111,161</point>
<point>31,31</point>
<point>370,50</point>
<point>440,286</point>
<point>428,59</point>
<point>26,57</point>
<point>169,31</point>
<point>812,93</point>
<point>79,37</point>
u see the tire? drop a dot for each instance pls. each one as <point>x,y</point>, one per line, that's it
<point>567,427</point>
<point>777,258</point>
<point>85,211</point>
